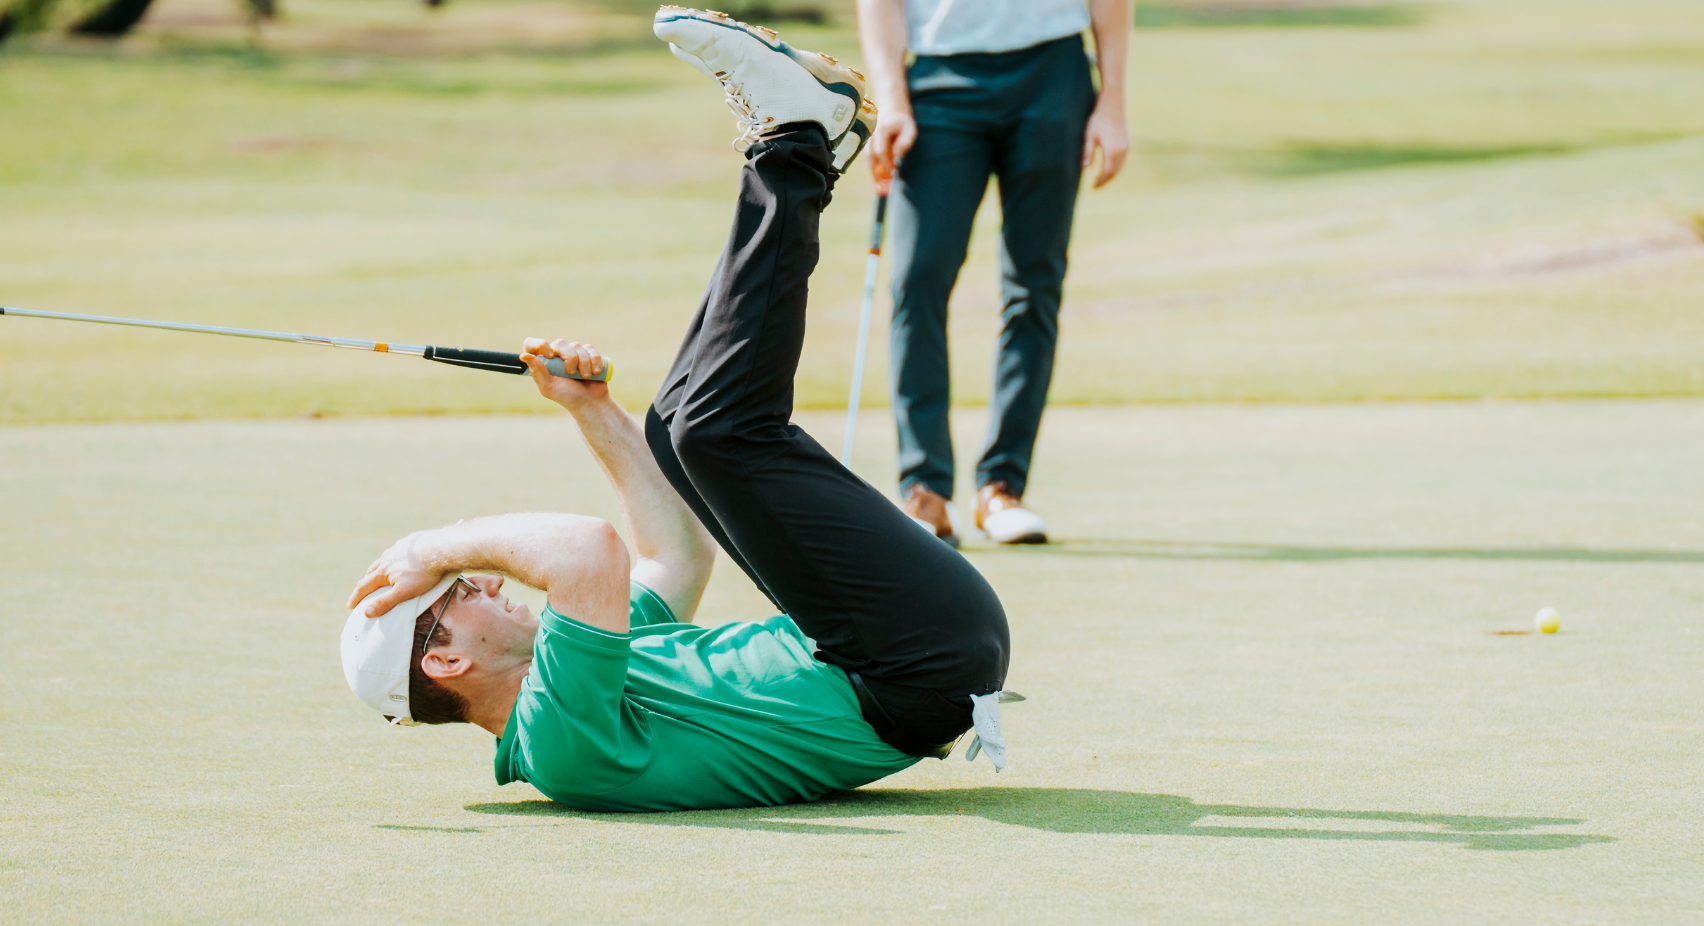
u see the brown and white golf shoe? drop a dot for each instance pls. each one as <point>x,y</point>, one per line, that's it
<point>770,83</point>
<point>1002,516</point>
<point>932,511</point>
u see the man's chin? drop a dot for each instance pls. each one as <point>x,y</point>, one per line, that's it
<point>522,615</point>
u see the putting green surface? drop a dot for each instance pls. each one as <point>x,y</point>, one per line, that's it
<point>1266,681</point>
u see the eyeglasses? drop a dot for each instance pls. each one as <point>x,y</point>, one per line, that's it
<point>448,597</point>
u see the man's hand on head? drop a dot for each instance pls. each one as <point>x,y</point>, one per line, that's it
<point>400,568</point>
<point>576,358</point>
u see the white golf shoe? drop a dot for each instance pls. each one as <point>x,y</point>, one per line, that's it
<point>1002,516</point>
<point>768,82</point>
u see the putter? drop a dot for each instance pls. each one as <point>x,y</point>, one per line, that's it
<point>870,266</point>
<point>494,360</point>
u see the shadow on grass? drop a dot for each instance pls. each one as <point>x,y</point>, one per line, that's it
<point>1306,159</point>
<point>1298,160</point>
<point>1270,14</point>
<point>1172,549</point>
<point>1077,810</point>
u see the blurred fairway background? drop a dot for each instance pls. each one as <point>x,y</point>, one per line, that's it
<point>1325,202</point>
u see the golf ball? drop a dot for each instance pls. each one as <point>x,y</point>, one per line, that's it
<point>1547,620</point>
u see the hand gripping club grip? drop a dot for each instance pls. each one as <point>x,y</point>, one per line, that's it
<point>503,362</point>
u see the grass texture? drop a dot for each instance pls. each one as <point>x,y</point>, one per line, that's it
<point>1277,661</point>
<point>1265,665</point>
<point>1494,198</point>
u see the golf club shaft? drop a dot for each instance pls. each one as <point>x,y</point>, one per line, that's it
<point>494,360</point>
<point>870,267</point>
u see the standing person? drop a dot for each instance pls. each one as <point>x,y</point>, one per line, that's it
<point>1002,88</point>
<point>891,645</point>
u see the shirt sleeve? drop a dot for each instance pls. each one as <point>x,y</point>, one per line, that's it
<point>577,729</point>
<point>645,607</point>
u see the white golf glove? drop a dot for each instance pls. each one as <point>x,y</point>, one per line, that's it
<point>985,714</point>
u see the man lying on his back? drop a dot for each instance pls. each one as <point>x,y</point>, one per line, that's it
<point>891,645</point>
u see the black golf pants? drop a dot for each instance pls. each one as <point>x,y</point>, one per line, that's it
<point>881,597</point>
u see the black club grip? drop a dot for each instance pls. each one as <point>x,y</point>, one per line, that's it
<point>503,362</point>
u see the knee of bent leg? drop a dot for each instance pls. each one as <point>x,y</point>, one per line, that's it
<point>698,444</point>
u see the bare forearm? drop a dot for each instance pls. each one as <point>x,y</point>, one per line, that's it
<point>1110,22</point>
<point>579,561</point>
<point>675,551</point>
<point>532,547</point>
<point>654,513</point>
<point>883,33</point>
<point>656,517</point>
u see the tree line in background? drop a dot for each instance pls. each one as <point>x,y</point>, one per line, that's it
<point>112,19</point>
<point>106,19</point>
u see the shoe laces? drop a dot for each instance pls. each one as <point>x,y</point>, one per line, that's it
<point>745,118</point>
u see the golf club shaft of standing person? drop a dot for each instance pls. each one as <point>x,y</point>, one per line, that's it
<point>890,645</point>
<point>996,88</point>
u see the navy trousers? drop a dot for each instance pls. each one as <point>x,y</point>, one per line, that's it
<point>1018,116</point>
<point>879,596</point>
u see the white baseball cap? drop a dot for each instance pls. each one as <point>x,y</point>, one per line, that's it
<point>377,651</point>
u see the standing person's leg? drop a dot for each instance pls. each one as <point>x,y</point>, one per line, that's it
<point>879,596</point>
<point>938,188</point>
<point>931,209</point>
<point>1038,166</point>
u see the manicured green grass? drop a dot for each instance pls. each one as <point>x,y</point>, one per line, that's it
<point>1502,198</point>
<point>1266,664</point>
<point>1264,675</point>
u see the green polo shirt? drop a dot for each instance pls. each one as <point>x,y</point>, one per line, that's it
<point>673,716</point>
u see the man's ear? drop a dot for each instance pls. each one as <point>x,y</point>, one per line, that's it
<point>441,666</point>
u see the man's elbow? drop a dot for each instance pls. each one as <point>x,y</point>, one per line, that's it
<point>581,547</point>
<point>601,548</point>
<point>588,579</point>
